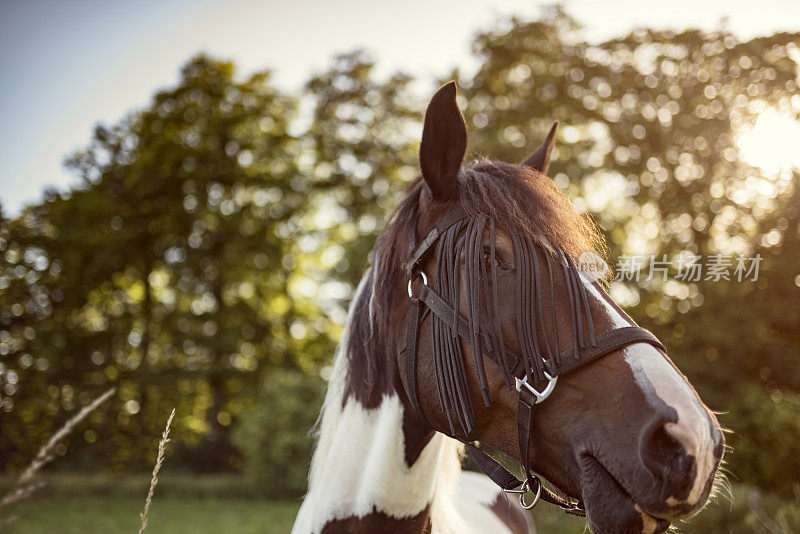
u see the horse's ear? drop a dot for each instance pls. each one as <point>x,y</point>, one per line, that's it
<point>444,142</point>
<point>540,159</point>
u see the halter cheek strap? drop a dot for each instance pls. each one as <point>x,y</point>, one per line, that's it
<point>529,397</point>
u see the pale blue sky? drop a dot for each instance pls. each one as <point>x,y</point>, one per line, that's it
<point>65,65</point>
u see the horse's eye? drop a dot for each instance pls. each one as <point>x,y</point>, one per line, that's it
<point>489,262</point>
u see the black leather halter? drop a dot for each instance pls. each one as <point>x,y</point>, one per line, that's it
<point>529,396</point>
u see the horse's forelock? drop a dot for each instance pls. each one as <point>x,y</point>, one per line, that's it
<point>516,197</point>
<point>525,201</point>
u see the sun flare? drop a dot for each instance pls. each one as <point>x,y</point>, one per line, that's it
<point>772,143</point>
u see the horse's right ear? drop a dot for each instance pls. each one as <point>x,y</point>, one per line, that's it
<point>444,142</point>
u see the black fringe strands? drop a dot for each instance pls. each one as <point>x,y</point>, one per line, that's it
<point>461,252</point>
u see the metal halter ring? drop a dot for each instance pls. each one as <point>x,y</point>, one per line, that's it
<point>540,395</point>
<point>526,488</point>
<point>535,499</point>
<point>424,282</point>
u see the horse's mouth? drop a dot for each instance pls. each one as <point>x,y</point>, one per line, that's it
<point>609,507</point>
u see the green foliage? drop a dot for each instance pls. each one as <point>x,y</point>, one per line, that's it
<point>275,434</point>
<point>164,268</point>
<point>760,420</point>
<point>751,512</point>
<point>649,117</point>
<point>60,484</point>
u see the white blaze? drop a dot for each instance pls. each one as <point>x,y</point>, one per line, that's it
<point>658,378</point>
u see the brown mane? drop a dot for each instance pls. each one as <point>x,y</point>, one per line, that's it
<point>515,196</point>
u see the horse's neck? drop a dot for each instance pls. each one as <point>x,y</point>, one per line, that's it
<point>360,478</point>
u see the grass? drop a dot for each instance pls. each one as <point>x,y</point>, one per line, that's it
<point>95,514</point>
<point>185,503</point>
<point>162,445</point>
<point>180,514</point>
<point>25,485</point>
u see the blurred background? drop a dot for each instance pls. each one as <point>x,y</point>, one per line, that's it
<point>190,191</point>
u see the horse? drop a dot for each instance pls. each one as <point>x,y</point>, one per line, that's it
<point>475,313</point>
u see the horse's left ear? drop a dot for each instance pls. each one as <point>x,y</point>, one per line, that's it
<point>540,159</point>
<point>444,142</point>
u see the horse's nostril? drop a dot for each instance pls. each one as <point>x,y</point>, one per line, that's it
<point>666,458</point>
<point>719,442</point>
<point>660,442</point>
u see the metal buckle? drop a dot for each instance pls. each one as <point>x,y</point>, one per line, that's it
<point>424,282</point>
<point>540,395</point>
<point>573,508</point>
<point>526,488</point>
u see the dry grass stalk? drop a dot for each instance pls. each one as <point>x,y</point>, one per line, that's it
<point>25,486</point>
<point>162,445</point>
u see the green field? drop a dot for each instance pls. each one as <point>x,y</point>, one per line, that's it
<point>169,515</point>
<point>72,504</point>
<point>172,514</point>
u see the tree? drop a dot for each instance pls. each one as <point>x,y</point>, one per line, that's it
<point>162,268</point>
<point>364,152</point>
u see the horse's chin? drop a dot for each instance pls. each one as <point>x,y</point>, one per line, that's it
<point>609,508</point>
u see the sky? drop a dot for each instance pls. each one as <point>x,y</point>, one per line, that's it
<point>66,65</point>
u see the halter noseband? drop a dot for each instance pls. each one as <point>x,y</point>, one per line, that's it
<point>529,396</point>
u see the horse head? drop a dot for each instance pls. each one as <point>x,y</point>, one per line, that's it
<point>491,252</point>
